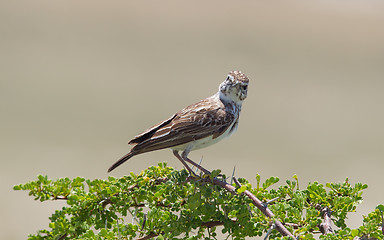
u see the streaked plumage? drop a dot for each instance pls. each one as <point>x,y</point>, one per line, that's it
<point>198,125</point>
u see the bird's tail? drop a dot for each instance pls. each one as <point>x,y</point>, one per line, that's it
<point>122,160</point>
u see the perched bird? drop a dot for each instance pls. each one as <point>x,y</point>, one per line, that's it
<point>196,126</point>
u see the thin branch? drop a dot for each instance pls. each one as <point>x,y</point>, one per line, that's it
<point>158,204</point>
<point>60,197</point>
<point>149,236</point>
<point>63,236</point>
<point>211,224</point>
<point>292,225</point>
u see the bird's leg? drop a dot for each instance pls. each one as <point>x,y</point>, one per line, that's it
<point>183,162</point>
<point>184,156</point>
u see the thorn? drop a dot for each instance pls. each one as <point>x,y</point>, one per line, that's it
<point>249,210</point>
<point>270,201</point>
<point>201,159</point>
<point>118,228</point>
<point>106,223</point>
<point>144,221</point>
<point>273,226</point>
<point>134,219</point>
<point>233,174</point>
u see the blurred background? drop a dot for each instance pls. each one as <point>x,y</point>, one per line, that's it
<point>79,79</point>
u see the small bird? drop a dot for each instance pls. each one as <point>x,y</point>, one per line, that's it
<point>196,126</point>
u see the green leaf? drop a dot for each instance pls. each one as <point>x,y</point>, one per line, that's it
<point>297,180</point>
<point>242,189</point>
<point>103,232</point>
<point>380,207</point>
<point>215,173</point>
<point>354,233</point>
<point>257,182</point>
<point>270,181</point>
<point>158,194</point>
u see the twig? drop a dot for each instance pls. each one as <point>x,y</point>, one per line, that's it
<point>63,236</point>
<point>149,236</point>
<point>238,184</point>
<point>60,198</point>
<point>293,225</point>
<point>211,224</point>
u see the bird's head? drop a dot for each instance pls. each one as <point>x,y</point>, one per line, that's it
<point>234,88</point>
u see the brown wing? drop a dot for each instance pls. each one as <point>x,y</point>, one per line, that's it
<point>147,134</point>
<point>205,118</point>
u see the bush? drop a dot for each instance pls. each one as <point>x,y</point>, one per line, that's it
<point>166,204</point>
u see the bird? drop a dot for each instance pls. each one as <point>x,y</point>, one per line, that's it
<point>196,126</point>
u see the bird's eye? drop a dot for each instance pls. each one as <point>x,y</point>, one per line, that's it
<point>244,87</point>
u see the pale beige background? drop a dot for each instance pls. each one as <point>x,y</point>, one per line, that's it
<point>78,79</point>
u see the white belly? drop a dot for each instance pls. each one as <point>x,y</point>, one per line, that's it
<point>205,142</point>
